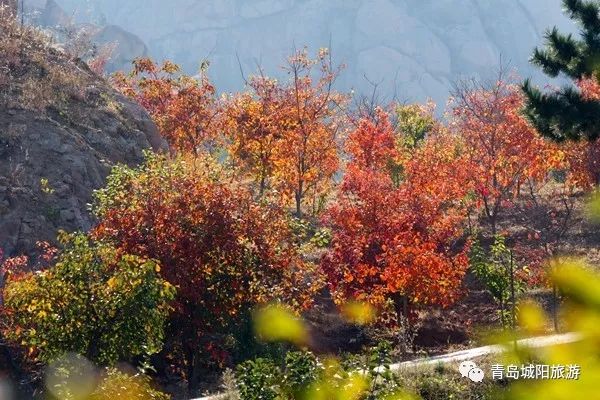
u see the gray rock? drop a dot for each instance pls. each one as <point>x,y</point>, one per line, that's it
<point>67,215</point>
<point>439,41</point>
<point>72,152</point>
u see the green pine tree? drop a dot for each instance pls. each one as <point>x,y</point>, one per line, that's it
<point>565,114</point>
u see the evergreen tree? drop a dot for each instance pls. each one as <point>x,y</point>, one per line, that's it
<point>566,114</point>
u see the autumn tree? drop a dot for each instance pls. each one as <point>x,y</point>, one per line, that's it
<point>307,158</point>
<point>92,300</point>
<point>223,251</point>
<point>503,151</point>
<point>185,108</point>
<point>258,121</point>
<point>397,241</point>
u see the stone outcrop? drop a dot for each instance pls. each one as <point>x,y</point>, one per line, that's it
<point>51,160</point>
<point>415,49</point>
<point>124,45</point>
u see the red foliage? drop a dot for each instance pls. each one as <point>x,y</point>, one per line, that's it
<point>184,108</point>
<point>392,239</point>
<point>224,252</point>
<point>503,150</point>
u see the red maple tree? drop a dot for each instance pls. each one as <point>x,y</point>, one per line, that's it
<point>397,240</point>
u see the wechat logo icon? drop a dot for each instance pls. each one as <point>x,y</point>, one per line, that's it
<point>468,369</point>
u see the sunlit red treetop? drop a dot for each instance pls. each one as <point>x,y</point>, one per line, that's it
<point>502,149</point>
<point>185,108</point>
<point>286,134</point>
<point>397,240</point>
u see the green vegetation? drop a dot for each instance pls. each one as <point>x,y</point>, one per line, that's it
<point>282,216</point>
<point>568,114</point>
<point>93,301</point>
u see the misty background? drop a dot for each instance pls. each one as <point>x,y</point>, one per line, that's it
<point>412,49</point>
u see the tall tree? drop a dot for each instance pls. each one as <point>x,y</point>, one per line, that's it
<point>286,134</point>
<point>256,123</point>
<point>567,114</point>
<point>396,240</point>
<point>503,150</point>
<point>308,157</point>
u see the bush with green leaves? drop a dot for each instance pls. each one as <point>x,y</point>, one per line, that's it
<point>321,238</point>
<point>258,379</point>
<point>94,301</point>
<point>301,371</point>
<point>303,375</point>
<point>497,270</point>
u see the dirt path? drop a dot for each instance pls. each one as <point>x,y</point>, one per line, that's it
<point>534,342</point>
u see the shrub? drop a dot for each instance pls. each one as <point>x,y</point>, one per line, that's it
<point>301,370</point>
<point>120,385</point>
<point>95,301</point>
<point>258,379</point>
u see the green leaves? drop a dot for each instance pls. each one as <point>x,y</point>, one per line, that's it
<point>94,301</point>
<point>567,113</point>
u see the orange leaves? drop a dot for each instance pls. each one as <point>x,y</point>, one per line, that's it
<point>184,108</point>
<point>398,237</point>
<point>285,134</point>
<point>502,149</point>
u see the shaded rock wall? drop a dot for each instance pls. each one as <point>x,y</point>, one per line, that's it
<point>73,150</point>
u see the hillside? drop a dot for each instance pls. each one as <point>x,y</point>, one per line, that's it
<point>61,129</point>
<point>413,49</point>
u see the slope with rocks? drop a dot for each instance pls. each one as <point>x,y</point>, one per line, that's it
<point>61,129</point>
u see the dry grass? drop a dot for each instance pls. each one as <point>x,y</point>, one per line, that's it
<point>33,73</point>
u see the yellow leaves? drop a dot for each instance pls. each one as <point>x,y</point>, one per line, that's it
<point>532,318</point>
<point>332,387</point>
<point>70,377</point>
<point>112,282</point>
<point>276,323</point>
<point>577,281</point>
<point>360,313</point>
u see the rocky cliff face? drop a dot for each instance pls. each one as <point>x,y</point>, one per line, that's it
<point>413,48</point>
<point>61,129</point>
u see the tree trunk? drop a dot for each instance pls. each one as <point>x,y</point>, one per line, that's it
<point>298,198</point>
<point>400,305</point>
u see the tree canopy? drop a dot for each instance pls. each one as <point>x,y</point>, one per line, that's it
<point>566,114</point>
